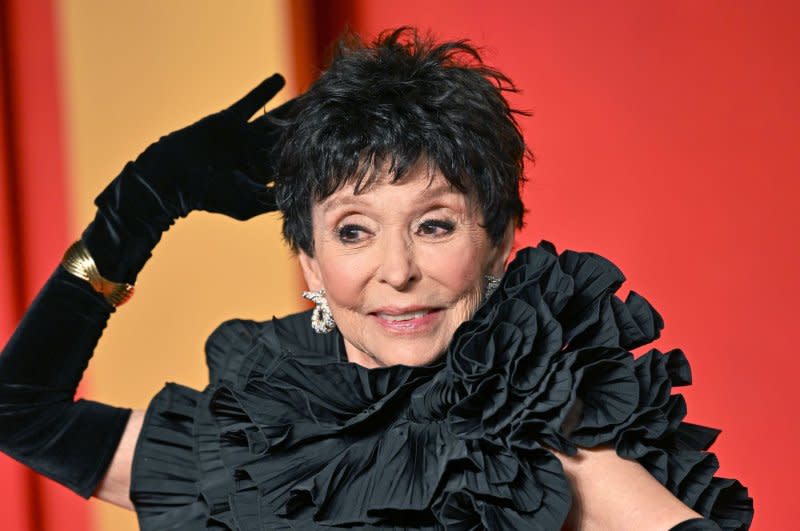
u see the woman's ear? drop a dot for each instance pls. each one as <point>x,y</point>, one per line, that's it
<point>503,250</point>
<point>310,268</point>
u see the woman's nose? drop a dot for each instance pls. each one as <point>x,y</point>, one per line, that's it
<point>398,266</point>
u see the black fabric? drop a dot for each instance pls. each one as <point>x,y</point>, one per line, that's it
<point>696,524</point>
<point>71,442</point>
<point>289,435</point>
<point>219,164</point>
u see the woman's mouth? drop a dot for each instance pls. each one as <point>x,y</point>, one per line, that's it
<point>407,321</point>
<point>403,316</point>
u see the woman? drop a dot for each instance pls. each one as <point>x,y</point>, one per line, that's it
<point>423,391</point>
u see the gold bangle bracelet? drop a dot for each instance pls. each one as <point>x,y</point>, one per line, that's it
<point>80,263</point>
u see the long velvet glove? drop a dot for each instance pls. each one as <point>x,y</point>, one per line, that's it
<point>40,424</point>
<point>219,164</point>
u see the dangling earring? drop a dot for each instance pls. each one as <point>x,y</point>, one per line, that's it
<point>492,283</point>
<point>321,318</point>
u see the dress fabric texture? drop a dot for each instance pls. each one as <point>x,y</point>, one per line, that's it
<point>289,435</point>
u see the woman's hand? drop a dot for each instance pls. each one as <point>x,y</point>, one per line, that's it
<point>220,164</point>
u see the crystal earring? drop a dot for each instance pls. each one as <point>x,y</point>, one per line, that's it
<point>321,318</point>
<point>492,283</point>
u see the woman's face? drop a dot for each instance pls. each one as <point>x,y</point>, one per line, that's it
<point>403,266</point>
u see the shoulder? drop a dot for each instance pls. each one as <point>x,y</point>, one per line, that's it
<point>611,492</point>
<point>235,345</point>
<point>228,346</point>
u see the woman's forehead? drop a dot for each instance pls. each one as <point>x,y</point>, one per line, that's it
<point>414,186</point>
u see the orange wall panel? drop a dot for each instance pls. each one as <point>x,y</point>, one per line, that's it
<point>135,70</point>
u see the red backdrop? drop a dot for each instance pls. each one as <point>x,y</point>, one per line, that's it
<point>33,233</point>
<point>665,135</point>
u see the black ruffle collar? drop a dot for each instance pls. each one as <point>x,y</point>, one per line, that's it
<point>464,443</point>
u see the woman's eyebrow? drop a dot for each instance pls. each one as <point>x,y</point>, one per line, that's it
<point>440,190</point>
<point>332,204</point>
<point>433,192</point>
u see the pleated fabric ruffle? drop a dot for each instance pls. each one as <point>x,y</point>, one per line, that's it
<point>291,436</point>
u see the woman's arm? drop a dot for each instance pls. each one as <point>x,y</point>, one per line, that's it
<point>615,493</point>
<point>41,424</point>
<point>116,484</point>
<point>219,164</point>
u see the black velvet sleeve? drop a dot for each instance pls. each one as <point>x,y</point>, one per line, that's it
<point>41,425</point>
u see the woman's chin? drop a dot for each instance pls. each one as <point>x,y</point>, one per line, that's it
<point>416,361</point>
<point>412,352</point>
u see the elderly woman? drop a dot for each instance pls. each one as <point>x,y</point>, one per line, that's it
<point>431,387</point>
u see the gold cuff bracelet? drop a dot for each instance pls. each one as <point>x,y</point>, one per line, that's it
<point>80,263</point>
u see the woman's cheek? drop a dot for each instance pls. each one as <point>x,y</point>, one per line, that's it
<point>459,267</point>
<point>344,277</point>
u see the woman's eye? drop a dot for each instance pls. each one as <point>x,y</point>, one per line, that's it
<point>436,227</point>
<point>351,233</point>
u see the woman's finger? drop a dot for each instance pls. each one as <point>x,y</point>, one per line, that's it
<point>257,98</point>
<point>276,118</point>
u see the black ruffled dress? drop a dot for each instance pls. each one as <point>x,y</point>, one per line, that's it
<point>289,435</point>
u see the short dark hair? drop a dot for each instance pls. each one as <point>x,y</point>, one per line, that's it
<point>401,100</point>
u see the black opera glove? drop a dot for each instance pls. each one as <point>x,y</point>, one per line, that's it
<point>696,524</point>
<point>220,164</point>
<point>40,367</point>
